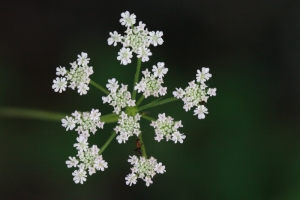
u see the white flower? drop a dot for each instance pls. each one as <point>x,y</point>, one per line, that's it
<point>178,137</point>
<point>114,38</point>
<point>100,164</point>
<point>59,84</point>
<point>178,93</point>
<point>92,170</point>
<point>112,85</point>
<point>159,168</point>
<point>94,150</point>
<point>155,38</point>
<point>68,123</point>
<point>61,71</point>
<point>148,181</point>
<point>82,144</point>
<point>127,19</point>
<point>125,56</point>
<point>83,59</point>
<point>141,26</point>
<point>82,88</point>
<point>203,76</point>
<point>130,179</point>
<point>212,91</point>
<point>79,176</point>
<point>123,137</point>
<point>160,70</point>
<point>200,111</point>
<point>95,115</point>
<point>72,162</point>
<point>133,160</point>
<point>144,53</point>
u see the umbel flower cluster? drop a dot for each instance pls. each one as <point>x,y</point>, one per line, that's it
<point>127,109</point>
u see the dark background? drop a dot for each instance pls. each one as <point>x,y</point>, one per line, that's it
<point>246,148</point>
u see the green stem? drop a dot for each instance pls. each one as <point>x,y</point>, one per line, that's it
<point>30,114</point>
<point>113,134</point>
<point>153,104</point>
<point>148,118</point>
<point>26,113</point>
<point>144,154</point>
<point>140,100</point>
<point>136,77</point>
<point>109,118</point>
<point>99,87</point>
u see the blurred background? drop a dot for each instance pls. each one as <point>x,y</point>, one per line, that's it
<point>247,147</point>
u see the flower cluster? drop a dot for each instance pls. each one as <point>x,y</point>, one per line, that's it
<point>119,97</point>
<point>87,159</point>
<point>77,77</point>
<point>151,83</point>
<point>137,39</point>
<point>128,126</point>
<point>167,127</point>
<point>144,169</point>
<point>86,122</point>
<point>196,93</point>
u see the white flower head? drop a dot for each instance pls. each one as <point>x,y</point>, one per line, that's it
<point>76,77</point>
<point>166,127</point>
<point>137,39</point>
<point>86,122</point>
<point>127,127</point>
<point>151,83</point>
<point>144,169</point>
<point>87,159</point>
<point>119,97</point>
<point>196,93</point>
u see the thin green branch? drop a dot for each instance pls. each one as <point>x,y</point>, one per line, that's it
<point>113,134</point>
<point>99,87</point>
<point>136,77</point>
<point>148,118</point>
<point>109,118</point>
<point>26,113</point>
<point>140,100</point>
<point>144,154</point>
<point>153,104</point>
